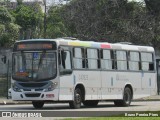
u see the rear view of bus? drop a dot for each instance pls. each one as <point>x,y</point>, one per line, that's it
<point>34,65</point>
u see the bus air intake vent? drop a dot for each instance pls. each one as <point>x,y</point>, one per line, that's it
<point>32,95</point>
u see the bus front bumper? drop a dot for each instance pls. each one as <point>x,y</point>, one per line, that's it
<point>38,96</point>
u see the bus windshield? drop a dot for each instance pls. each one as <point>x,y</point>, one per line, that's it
<point>34,66</point>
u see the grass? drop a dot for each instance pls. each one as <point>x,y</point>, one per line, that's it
<point>122,116</point>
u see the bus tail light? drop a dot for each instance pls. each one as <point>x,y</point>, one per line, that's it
<point>51,87</point>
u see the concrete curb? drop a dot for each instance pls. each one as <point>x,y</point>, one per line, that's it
<point>150,98</point>
<point>4,101</point>
<point>146,100</point>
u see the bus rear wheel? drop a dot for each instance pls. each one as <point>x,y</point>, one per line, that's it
<point>90,102</point>
<point>76,103</point>
<point>127,97</point>
<point>37,104</point>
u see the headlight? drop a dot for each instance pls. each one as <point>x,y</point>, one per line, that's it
<point>15,88</point>
<point>51,87</point>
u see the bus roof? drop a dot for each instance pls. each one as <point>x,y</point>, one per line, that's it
<point>92,44</point>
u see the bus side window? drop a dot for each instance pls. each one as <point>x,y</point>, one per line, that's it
<point>65,63</point>
<point>147,61</point>
<point>113,58</point>
<point>106,61</point>
<point>121,60</point>
<point>151,66</point>
<point>134,60</point>
<point>78,58</point>
<point>92,58</point>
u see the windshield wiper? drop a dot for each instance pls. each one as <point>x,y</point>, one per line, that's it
<point>23,61</point>
<point>41,59</point>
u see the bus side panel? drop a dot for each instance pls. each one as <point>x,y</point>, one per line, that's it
<point>148,80</point>
<point>154,85</point>
<point>109,91</point>
<point>92,83</point>
<point>113,83</point>
<point>149,83</point>
<point>66,87</point>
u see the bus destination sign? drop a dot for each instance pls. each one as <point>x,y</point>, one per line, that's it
<point>34,46</point>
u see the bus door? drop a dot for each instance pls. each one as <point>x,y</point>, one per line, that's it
<point>66,77</point>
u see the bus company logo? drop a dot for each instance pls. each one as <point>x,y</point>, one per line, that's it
<point>6,114</point>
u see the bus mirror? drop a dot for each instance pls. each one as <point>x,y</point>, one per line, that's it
<point>4,59</point>
<point>65,72</point>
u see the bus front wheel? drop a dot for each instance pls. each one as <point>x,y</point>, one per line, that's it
<point>127,97</point>
<point>76,103</point>
<point>37,104</point>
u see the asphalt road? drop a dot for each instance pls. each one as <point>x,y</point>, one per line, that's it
<point>102,106</point>
<point>63,110</point>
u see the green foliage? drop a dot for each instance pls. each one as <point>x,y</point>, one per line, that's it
<point>55,24</point>
<point>30,18</point>
<point>8,29</point>
<point>104,20</point>
<point>99,20</point>
<point>154,11</point>
<point>153,6</point>
<point>19,2</point>
<point>5,16</point>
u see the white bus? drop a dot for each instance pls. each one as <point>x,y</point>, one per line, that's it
<point>74,71</point>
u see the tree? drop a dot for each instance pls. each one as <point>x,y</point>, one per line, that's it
<point>154,11</point>
<point>30,18</point>
<point>106,20</point>
<point>55,24</point>
<point>153,6</point>
<point>8,29</point>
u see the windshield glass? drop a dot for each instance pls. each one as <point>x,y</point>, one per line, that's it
<point>34,66</point>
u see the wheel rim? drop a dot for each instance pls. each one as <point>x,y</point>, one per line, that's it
<point>78,98</point>
<point>127,97</point>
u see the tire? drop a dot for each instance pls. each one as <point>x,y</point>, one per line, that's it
<point>76,103</point>
<point>127,97</point>
<point>37,104</point>
<point>90,103</point>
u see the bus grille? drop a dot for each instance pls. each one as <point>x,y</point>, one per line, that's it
<point>33,95</point>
